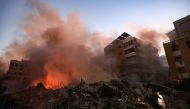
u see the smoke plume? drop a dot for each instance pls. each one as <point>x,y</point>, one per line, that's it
<point>152,36</point>
<point>63,48</point>
<point>152,47</point>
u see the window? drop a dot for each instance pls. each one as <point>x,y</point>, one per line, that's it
<point>181,70</point>
<point>120,53</point>
<point>119,46</point>
<point>188,44</point>
<point>21,68</point>
<point>11,65</point>
<point>174,46</point>
<point>128,43</point>
<point>178,59</point>
<point>16,64</point>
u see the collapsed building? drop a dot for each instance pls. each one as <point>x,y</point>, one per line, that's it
<point>178,49</point>
<point>132,58</point>
<point>20,75</point>
<point>113,94</point>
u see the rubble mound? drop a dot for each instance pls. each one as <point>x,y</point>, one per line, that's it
<point>114,94</point>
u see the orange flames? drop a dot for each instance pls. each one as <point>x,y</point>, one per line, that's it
<point>52,81</point>
<point>54,78</point>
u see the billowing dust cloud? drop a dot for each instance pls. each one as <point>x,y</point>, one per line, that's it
<point>150,52</point>
<point>62,48</point>
<point>152,47</point>
<point>65,50</point>
<point>153,37</point>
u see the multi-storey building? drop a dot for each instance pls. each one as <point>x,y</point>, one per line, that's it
<point>178,50</point>
<point>119,49</point>
<point>128,56</point>
<point>182,26</point>
<point>20,74</point>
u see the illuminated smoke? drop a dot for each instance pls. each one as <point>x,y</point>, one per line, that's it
<point>153,37</point>
<point>150,51</point>
<point>63,48</point>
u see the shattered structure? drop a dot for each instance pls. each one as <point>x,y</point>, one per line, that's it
<point>178,49</point>
<point>20,75</point>
<point>130,56</point>
<point>101,95</point>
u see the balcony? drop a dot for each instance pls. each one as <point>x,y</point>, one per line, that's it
<point>130,46</point>
<point>130,54</point>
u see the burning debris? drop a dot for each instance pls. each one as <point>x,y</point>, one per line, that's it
<point>59,53</point>
<point>100,95</point>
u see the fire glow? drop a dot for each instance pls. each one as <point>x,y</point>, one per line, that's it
<point>63,47</point>
<point>56,79</point>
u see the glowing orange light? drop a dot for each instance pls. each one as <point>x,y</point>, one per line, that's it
<point>55,78</point>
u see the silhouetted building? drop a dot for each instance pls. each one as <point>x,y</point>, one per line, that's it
<point>129,56</point>
<point>182,26</point>
<point>21,74</point>
<point>178,50</point>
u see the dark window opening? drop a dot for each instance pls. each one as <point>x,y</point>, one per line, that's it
<point>174,46</point>
<point>21,68</point>
<point>120,53</point>
<point>188,44</point>
<point>181,70</point>
<point>11,65</point>
<point>128,43</point>
<point>16,64</point>
<point>178,59</point>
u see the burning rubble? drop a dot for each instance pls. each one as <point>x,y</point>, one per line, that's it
<point>114,94</point>
<point>65,67</point>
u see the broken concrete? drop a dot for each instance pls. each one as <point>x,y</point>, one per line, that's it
<point>101,95</point>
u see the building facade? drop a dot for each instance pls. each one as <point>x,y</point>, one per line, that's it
<point>182,26</point>
<point>21,74</point>
<point>177,50</point>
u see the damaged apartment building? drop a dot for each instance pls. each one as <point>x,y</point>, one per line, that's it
<point>131,58</point>
<point>178,49</point>
<point>20,75</point>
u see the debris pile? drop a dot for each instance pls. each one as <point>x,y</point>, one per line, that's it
<point>114,94</point>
